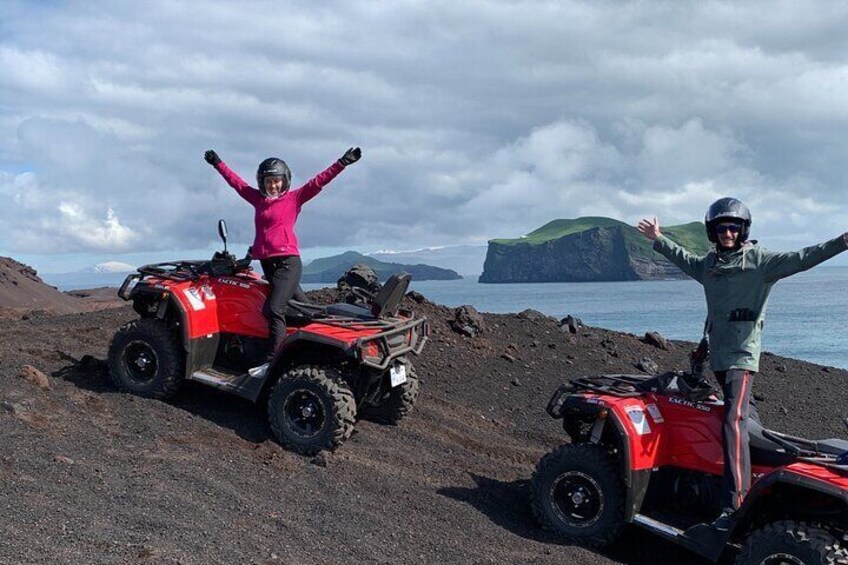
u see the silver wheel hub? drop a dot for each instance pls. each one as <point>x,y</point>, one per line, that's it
<point>578,498</point>
<point>143,361</point>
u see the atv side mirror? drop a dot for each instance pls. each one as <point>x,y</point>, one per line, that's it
<point>222,232</point>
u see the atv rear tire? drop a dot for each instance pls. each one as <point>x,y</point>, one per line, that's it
<point>792,542</point>
<point>396,402</point>
<point>577,492</point>
<point>145,358</point>
<point>311,408</point>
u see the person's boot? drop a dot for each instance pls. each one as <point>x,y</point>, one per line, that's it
<point>724,521</point>
<point>260,370</point>
<point>257,372</point>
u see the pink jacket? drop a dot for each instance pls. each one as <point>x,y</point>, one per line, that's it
<point>274,218</point>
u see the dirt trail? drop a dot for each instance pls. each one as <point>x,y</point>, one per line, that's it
<point>91,475</point>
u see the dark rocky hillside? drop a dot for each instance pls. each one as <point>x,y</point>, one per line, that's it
<point>22,291</point>
<point>92,475</point>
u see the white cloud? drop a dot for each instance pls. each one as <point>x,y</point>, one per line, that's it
<point>478,119</point>
<point>94,233</point>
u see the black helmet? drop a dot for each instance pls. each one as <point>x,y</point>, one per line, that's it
<point>725,209</point>
<point>273,167</point>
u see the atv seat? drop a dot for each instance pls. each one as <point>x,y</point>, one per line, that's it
<point>385,303</point>
<point>765,451</point>
<point>349,311</point>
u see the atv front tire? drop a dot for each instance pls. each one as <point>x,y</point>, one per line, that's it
<point>577,492</point>
<point>145,358</point>
<point>395,402</point>
<point>311,408</point>
<point>792,542</point>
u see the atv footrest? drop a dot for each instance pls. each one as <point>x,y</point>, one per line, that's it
<point>242,384</point>
<point>656,525</point>
<point>701,538</point>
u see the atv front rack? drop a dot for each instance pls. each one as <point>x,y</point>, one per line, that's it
<point>175,271</point>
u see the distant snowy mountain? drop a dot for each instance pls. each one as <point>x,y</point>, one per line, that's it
<point>108,273</point>
<point>464,259</point>
<point>109,267</point>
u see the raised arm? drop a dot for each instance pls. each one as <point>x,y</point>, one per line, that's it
<point>780,265</point>
<point>690,264</point>
<point>309,190</point>
<point>242,188</point>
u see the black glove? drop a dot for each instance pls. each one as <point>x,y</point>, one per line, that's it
<point>212,157</point>
<point>351,156</point>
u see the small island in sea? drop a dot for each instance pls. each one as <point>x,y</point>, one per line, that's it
<point>587,249</point>
<point>330,269</point>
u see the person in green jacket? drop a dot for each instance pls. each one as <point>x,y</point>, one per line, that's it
<point>737,277</point>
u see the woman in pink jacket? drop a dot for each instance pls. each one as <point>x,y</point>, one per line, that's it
<point>276,210</point>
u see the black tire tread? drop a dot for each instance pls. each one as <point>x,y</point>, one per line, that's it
<point>156,332</point>
<point>594,459</point>
<point>343,414</point>
<point>817,540</point>
<point>399,403</point>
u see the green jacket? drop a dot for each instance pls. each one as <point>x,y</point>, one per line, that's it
<point>737,285</point>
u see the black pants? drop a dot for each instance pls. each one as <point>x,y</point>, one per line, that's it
<point>283,274</point>
<point>736,385</point>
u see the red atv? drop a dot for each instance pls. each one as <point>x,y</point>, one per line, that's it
<point>645,450</point>
<point>204,321</point>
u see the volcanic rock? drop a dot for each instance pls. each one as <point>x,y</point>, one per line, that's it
<point>36,377</point>
<point>648,365</point>
<point>571,324</point>
<point>467,321</point>
<point>655,339</point>
<point>359,276</point>
<point>530,314</point>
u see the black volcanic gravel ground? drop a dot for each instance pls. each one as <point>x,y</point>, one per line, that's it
<point>91,475</point>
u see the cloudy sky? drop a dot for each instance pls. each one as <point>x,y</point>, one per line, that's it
<point>477,119</point>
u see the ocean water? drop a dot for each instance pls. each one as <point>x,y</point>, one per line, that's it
<point>807,314</point>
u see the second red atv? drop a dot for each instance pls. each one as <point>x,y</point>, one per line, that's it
<point>646,451</point>
<point>204,321</point>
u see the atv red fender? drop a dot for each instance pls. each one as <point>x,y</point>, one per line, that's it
<point>205,321</point>
<point>653,433</point>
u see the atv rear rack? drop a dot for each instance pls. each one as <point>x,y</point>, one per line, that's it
<point>390,349</point>
<point>624,386</point>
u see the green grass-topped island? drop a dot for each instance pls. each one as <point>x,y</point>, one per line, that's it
<point>587,249</point>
